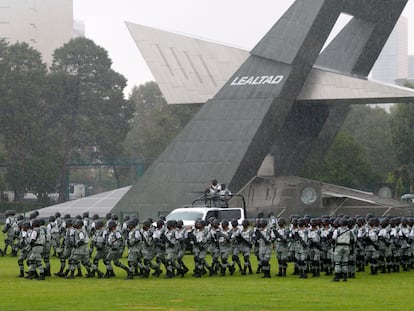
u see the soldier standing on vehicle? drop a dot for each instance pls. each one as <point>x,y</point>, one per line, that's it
<point>212,193</point>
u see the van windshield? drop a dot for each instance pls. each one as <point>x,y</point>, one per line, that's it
<point>229,214</point>
<point>190,215</point>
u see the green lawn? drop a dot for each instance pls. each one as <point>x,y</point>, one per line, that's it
<point>251,292</point>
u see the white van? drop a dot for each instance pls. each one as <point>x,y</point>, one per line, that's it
<point>189,214</point>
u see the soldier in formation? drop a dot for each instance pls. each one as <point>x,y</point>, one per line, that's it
<point>345,245</point>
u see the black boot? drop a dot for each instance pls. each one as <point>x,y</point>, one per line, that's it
<point>47,272</point>
<point>30,275</point>
<point>157,272</point>
<point>280,272</point>
<point>243,272</point>
<point>250,269</point>
<point>71,275</point>
<point>107,274</point>
<point>90,274</point>
<point>266,274</point>
<point>146,273</point>
<point>99,273</point>
<point>295,270</point>
<point>79,273</point>
<point>231,269</point>
<point>60,273</point>
<point>21,275</point>
<point>169,274</point>
<point>41,277</point>
<point>197,273</point>
<point>130,275</point>
<point>336,278</point>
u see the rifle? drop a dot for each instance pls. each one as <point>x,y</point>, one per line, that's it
<point>279,236</point>
<point>214,236</point>
<point>259,235</point>
<point>297,237</point>
<point>315,244</point>
<point>370,242</point>
<point>384,240</point>
<point>243,240</point>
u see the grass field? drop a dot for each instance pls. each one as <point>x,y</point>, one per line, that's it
<point>382,292</point>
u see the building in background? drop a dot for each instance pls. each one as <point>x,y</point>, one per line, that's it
<point>78,28</point>
<point>43,24</point>
<point>392,64</point>
<point>411,66</point>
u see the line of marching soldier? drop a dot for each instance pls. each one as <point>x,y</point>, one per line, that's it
<point>339,246</point>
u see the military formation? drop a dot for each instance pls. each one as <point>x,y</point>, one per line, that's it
<point>338,246</point>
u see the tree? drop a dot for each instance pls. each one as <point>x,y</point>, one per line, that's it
<point>22,79</point>
<point>370,128</point>
<point>88,110</point>
<point>155,123</point>
<point>346,164</point>
<point>402,131</point>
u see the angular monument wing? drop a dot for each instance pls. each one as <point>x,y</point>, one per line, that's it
<point>187,70</point>
<point>332,88</point>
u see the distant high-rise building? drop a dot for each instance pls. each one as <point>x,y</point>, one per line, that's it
<point>78,29</point>
<point>392,64</point>
<point>411,66</point>
<point>43,24</point>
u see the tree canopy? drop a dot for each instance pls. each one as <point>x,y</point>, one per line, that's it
<point>155,122</point>
<point>48,119</point>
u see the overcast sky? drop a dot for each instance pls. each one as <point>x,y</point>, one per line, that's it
<point>240,23</point>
